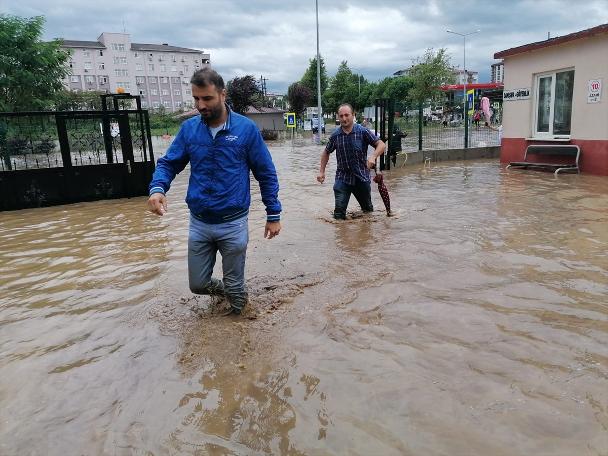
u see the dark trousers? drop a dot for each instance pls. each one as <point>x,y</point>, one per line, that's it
<point>362,192</point>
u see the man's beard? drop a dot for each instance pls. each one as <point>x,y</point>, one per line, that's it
<point>212,114</point>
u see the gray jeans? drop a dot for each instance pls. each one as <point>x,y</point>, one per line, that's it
<point>204,241</point>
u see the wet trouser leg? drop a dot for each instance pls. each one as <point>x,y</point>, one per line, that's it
<point>363,193</point>
<point>204,241</point>
<point>342,193</point>
<point>232,244</point>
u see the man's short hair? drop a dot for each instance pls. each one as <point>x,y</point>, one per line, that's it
<point>352,111</point>
<point>207,76</point>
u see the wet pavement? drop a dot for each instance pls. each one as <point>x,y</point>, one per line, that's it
<point>473,322</point>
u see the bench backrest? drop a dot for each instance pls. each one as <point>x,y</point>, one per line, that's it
<point>568,150</point>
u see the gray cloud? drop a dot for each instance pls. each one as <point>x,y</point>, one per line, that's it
<point>277,38</point>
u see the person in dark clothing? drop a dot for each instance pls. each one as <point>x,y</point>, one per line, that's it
<point>350,142</point>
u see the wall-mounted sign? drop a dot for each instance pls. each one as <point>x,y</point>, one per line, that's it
<point>515,94</point>
<point>594,91</point>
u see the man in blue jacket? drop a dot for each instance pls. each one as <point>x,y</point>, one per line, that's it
<point>221,147</point>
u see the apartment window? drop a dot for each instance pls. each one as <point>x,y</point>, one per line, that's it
<point>185,68</point>
<point>124,85</point>
<point>178,104</point>
<point>150,67</point>
<point>103,80</point>
<point>88,65</point>
<point>101,66</point>
<point>89,79</point>
<point>163,67</point>
<point>75,79</point>
<point>121,72</point>
<point>177,92</point>
<point>553,103</point>
<point>101,53</point>
<point>142,93</point>
<point>139,80</point>
<point>164,80</point>
<point>167,104</point>
<point>175,80</point>
<point>165,92</point>
<point>120,60</point>
<point>118,46</point>
<point>188,92</point>
<point>152,79</point>
<point>137,55</point>
<point>139,67</point>
<point>173,68</point>
<point>161,58</point>
<point>86,53</point>
<point>153,92</point>
<point>144,104</point>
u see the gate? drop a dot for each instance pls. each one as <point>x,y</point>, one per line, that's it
<point>51,158</point>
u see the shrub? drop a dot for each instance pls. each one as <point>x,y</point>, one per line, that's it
<point>270,135</point>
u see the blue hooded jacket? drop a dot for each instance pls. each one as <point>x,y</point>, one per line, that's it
<point>218,190</point>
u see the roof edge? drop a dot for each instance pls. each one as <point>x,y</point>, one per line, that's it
<point>598,30</point>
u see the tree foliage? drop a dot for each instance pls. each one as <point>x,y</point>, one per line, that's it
<point>309,79</point>
<point>428,73</point>
<point>243,92</point>
<point>30,70</point>
<point>67,100</point>
<point>299,96</point>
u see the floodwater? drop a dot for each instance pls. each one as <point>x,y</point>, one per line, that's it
<point>473,322</point>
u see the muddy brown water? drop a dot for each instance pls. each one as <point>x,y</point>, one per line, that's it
<point>473,322</point>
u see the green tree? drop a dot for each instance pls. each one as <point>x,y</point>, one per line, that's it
<point>30,70</point>
<point>343,88</point>
<point>299,96</point>
<point>428,73</point>
<point>243,92</point>
<point>310,77</point>
<point>67,100</point>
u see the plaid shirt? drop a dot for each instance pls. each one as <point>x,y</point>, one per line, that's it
<point>351,153</point>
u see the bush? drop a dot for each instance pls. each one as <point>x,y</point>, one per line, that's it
<point>270,135</point>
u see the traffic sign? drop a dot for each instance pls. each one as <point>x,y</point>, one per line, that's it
<point>291,120</point>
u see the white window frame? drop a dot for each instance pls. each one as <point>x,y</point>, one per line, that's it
<point>537,78</point>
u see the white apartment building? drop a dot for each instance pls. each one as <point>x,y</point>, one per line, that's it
<point>159,73</point>
<point>472,77</point>
<point>498,72</point>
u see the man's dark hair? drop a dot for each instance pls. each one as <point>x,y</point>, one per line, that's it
<point>207,76</point>
<point>352,111</point>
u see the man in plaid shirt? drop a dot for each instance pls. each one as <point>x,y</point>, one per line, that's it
<point>350,142</point>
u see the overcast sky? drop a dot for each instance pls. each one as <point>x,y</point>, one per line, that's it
<point>276,38</point>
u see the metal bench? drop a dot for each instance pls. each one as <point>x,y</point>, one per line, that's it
<point>562,150</point>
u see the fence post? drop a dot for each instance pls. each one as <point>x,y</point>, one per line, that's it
<point>420,126</point>
<point>466,122</point>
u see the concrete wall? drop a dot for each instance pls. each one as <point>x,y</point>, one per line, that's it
<point>268,121</point>
<point>473,153</point>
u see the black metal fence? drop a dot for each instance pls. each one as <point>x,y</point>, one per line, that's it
<point>69,156</point>
<point>443,128</point>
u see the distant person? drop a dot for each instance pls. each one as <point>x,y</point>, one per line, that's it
<point>476,118</point>
<point>350,141</point>
<point>222,148</point>
<point>485,107</point>
<point>366,123</point>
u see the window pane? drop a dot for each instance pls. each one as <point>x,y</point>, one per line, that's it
<point>544,104</point>
<point>564,85</point>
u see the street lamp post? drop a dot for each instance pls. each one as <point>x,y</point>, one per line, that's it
<point>465,99</point>
<point>319,109</point>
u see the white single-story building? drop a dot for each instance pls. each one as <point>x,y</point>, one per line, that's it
<point>555,92</point>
